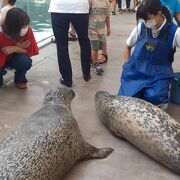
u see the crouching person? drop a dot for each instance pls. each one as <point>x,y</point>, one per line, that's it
<point>148,71</point>
<point>17,45</point>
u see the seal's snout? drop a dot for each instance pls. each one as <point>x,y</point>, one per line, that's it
<point>59,96</point>
<point>67,93</point>
<point>100,95</point>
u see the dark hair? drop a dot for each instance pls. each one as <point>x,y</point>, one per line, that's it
<point>12,2</point>
<point>15,19</point>
<point>152,7</point>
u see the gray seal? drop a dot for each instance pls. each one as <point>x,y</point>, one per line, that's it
<point>144,125</point>
<point>47,144</point>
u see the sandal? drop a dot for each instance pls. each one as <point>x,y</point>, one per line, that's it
<point>102,61</point>
<point>72,37</point>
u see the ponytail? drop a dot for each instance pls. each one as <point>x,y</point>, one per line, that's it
<point>152,7</point>
<point>167,14</point>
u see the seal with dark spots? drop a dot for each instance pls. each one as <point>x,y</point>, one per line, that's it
<point>144,125</point>
<point>47,144</point>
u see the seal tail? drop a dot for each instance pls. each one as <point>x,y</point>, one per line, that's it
<point>97,153</point>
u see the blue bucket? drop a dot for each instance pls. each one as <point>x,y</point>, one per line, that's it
<point>175,89</point>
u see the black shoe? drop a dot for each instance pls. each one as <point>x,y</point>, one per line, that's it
<point>53,40</point>
<point>87,77</point>
<point>69,84</point>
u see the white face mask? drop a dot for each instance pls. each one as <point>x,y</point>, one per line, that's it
<point>150,23</point>
<point>24,31</point>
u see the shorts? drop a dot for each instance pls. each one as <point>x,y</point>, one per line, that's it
<point>97,40</point>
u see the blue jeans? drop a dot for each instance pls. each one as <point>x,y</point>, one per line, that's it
<point>21,63</point>
<point>60,25</point>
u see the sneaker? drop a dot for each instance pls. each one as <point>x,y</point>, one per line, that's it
<point>68,84</point>
<point>53,40</point>
<point>21,85</point>
<point>98,70</point>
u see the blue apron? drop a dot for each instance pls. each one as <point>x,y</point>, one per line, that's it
<point>149,70</point>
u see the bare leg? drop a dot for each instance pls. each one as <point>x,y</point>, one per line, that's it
<point>94,55</point>
<point>98,70</point>
<point>113,7</point>
<point>103,56</point>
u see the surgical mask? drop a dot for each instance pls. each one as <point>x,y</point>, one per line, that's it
<point>150,23</point>
<point>24,31</point>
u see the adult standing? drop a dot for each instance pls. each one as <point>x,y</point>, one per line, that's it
<point>62,13</point>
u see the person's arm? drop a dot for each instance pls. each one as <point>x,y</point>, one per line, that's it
<point>177,17</point>
<point>24,45</point>
<point>108,26</point>
<point>131,41</point>
<point>176,41</point>
<point>32,48</point>
<point>127,53</point>
<point>12,49</point>
<point>2,17</point>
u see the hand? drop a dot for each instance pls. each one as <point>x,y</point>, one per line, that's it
<point>23,45</point>
<point>8,50</point>
<point>108,32</point>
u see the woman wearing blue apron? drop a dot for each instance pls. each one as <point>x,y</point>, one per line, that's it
<point>148,71</point>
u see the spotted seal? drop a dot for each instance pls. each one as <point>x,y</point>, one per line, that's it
<point>144,125</point>
<point>47,144</point>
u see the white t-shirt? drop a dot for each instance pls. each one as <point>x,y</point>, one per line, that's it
<point>3,13</point>
<point>69,6</point>
<point>135,34</point>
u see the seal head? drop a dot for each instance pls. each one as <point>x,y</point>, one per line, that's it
<point>59,96</point>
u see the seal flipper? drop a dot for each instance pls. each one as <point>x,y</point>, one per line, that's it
<point>96,153</point>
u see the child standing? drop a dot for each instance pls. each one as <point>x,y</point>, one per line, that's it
<point>148,71</point>
<point>9,4</point>
<point>99,17</point>
<point>17,45</point>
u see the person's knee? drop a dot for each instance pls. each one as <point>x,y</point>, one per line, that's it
<point>23,62</point>
<point>156,97</point>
